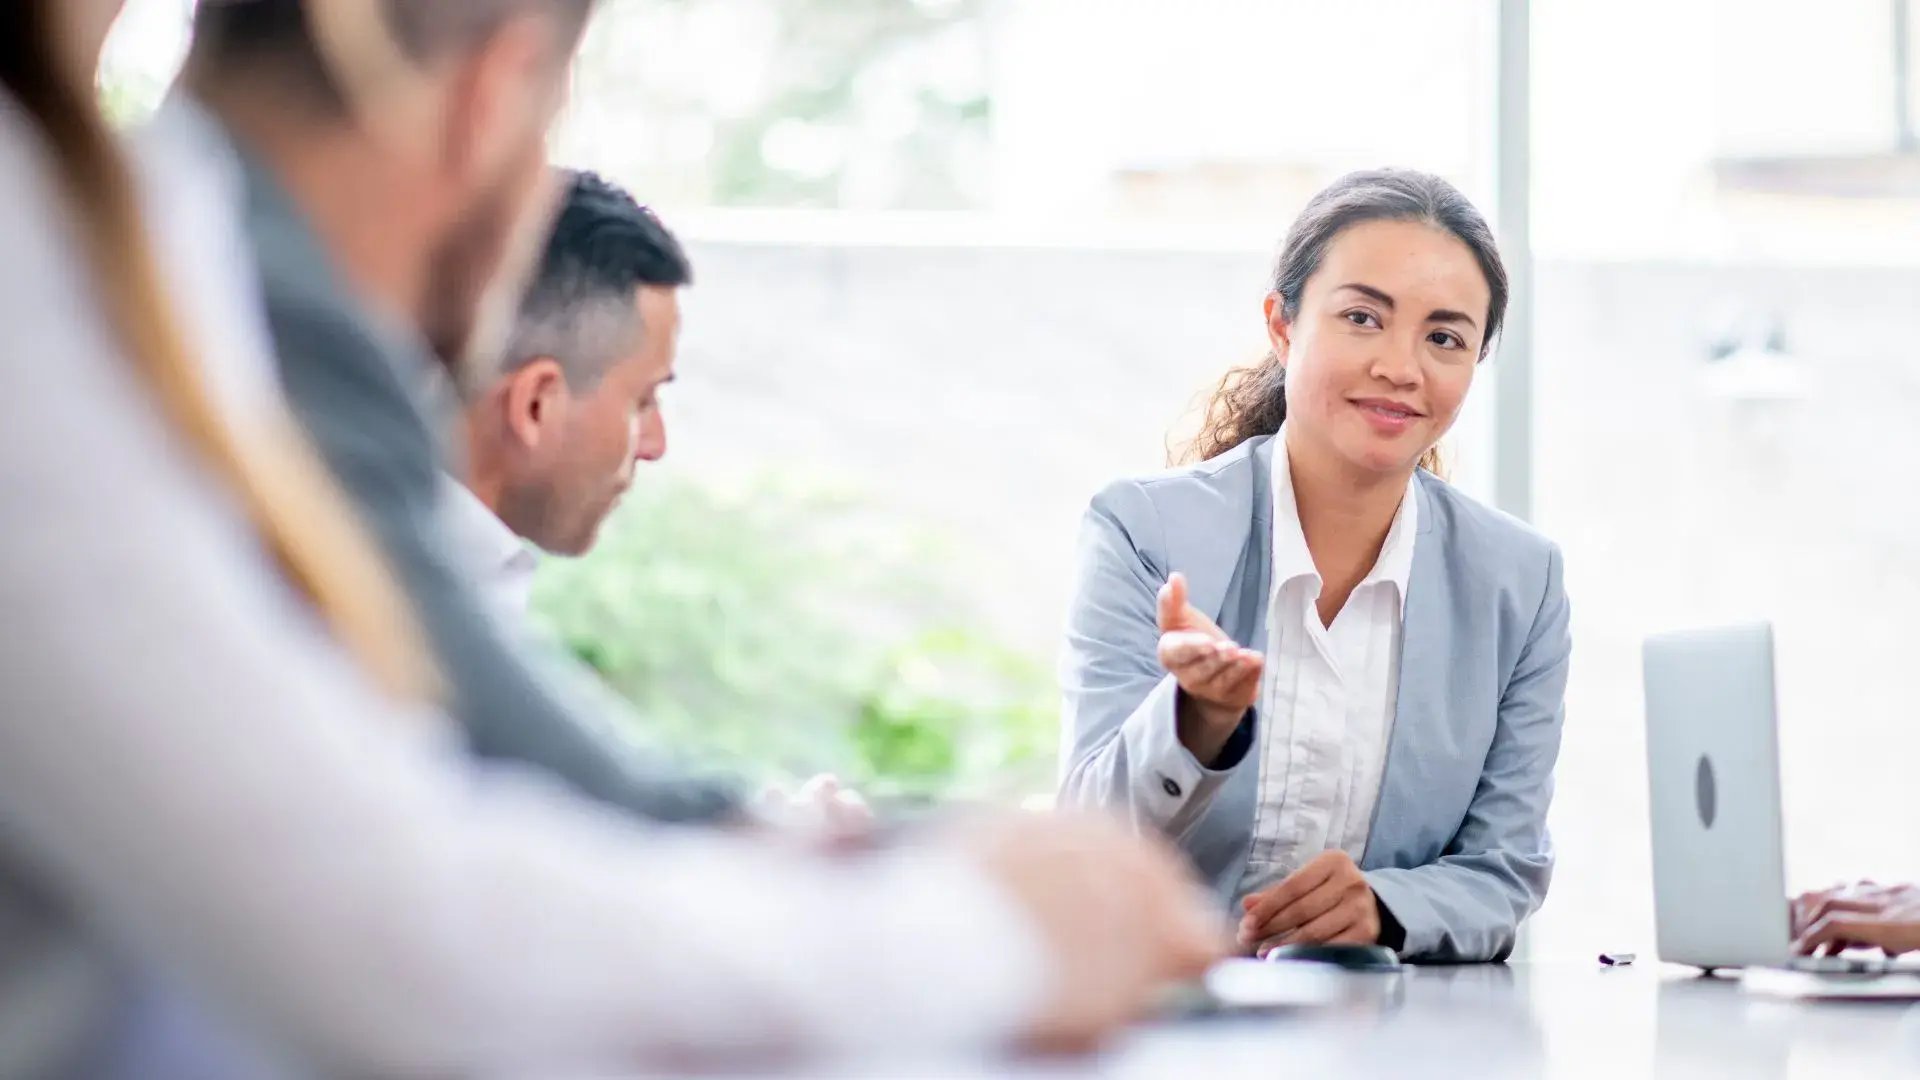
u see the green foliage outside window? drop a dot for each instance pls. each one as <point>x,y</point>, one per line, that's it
<point>129,98</point>
<point>782,632</point>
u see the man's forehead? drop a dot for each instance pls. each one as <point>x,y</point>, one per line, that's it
<point>648,357</point>
<point>658,304</point>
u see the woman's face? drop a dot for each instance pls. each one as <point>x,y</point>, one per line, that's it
<point>1384,345</point>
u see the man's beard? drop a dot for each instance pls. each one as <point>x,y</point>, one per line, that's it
<point>560,512</point>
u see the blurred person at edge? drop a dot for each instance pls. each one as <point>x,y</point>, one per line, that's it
<point>387,165</point>
<point>1863,915</point>
<point>238,837</point>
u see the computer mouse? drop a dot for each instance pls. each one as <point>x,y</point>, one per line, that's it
<point>1345,957</point>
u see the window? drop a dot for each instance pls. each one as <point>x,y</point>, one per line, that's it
<point>960,262</point>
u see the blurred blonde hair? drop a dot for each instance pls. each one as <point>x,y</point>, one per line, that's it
<point>300,515</point>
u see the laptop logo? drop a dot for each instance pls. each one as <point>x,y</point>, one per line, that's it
<point>1704,791</point>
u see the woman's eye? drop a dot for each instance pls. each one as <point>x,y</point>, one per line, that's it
<point>1362,318</point>
<point>1446,339</point>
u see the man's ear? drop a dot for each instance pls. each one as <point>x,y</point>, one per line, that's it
<point>537,400</point>
<point>501,89</point>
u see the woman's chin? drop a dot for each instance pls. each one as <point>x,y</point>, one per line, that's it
<point>1376,457</point>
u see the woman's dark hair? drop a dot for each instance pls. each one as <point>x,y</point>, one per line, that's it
<point>1252,400</point>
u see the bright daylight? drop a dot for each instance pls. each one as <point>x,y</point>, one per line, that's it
<point>961,537</point>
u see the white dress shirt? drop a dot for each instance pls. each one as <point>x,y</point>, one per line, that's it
<point>497,560</point>
<point>1327,694</point>
<point>191,765</point>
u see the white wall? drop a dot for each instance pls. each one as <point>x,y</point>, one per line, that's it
<point>1084,88</point>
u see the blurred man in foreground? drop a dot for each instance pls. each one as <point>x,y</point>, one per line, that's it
<point>338,877</point>
<point>381,200</point>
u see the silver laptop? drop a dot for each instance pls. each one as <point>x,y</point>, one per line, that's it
<point>1713,769</point>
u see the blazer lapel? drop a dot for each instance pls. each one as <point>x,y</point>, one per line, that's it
<point>1243,605</point>
<point>1425,647</point>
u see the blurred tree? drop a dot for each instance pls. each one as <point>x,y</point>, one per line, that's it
<point>129,97</point>
<point>141,57</point>
<point>874,104</point>
<point>788,633</point>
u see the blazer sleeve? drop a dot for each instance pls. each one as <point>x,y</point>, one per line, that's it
<point>1119,746</point>
<point>1468,904</point>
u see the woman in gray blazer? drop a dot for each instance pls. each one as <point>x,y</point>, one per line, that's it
<point>1334,680</point>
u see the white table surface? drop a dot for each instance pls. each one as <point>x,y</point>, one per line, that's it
<point>1542,1019</point>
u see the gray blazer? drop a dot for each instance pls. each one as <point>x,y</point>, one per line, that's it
<point>1458,852</point>
<point>347,380</point>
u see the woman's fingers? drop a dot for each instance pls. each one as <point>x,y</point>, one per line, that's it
<point>1816,910</point>
<point>1243,678</point>
<point>1192,655</point>
<point>1327,927</point>
<point>1235,683</point>
<point>1219,673</point>
<point>1338,926</point>
<point>1302,911</point>
<point>1182,649</point>
<point>1173,602</point>
<point>1200,676</point>
<point>1176,613</point>
<point>1209,666</point>
<point>1834,933</point>
<point>1841,930</point>
<point>1241,675</point>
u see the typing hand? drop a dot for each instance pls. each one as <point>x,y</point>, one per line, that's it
<point>1326,901</point>
<point>1120,915</point>
<point>1865,915</point>
<point>1218,679</point>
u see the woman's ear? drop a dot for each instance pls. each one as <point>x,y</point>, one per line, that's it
<point>1279,327</point>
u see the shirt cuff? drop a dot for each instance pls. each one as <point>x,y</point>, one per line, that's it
<point>1392,934</point>
<point>1172,788</point>
<point>1235,750</point>
<point>1413,921</point>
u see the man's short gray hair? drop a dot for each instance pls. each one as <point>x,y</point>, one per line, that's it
<point>580,325</point>
<point>582,309</point>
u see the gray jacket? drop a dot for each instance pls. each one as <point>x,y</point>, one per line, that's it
<point>360,389</point>
<point>1458,852</point>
